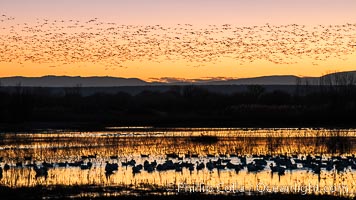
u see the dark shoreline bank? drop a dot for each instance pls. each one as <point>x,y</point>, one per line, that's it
<point>30,109</point>
<point>91,127</point>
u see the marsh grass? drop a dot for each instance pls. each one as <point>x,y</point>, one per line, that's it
<point>70,146</point>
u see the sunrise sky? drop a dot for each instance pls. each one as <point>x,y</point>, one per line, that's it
<point>189,43</point>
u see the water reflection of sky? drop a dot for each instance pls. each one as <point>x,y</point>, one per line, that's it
<point>70,147</point>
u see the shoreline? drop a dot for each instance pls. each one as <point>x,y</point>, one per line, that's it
<point>91,127</point>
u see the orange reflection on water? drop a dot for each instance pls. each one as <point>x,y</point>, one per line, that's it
<point>60,147</point>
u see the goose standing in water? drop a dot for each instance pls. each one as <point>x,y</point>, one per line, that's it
<point>41,171</point>
<point>136,169</point>
<point>6,167</point>
<point>110,168</point>
<point>86,166</point>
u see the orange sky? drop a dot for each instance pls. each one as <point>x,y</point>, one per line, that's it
<point>190,40</point>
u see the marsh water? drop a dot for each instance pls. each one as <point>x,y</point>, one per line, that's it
<point>80,158</point>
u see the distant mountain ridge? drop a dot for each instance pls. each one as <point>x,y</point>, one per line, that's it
<point>106,81</point>
<point>268,80</point>
<point>70,81</point>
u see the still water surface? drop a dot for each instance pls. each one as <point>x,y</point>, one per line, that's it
<point>320,157</point>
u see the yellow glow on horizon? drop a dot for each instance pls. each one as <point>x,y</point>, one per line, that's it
<point>147,70</point>
<point>95,48</point>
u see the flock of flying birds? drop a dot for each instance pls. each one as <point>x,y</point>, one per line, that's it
<point>72,42</point>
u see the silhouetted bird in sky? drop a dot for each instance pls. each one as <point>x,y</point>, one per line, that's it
<point>63,42</point>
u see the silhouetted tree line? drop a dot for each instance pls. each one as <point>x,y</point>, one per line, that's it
<point>331,104</point>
